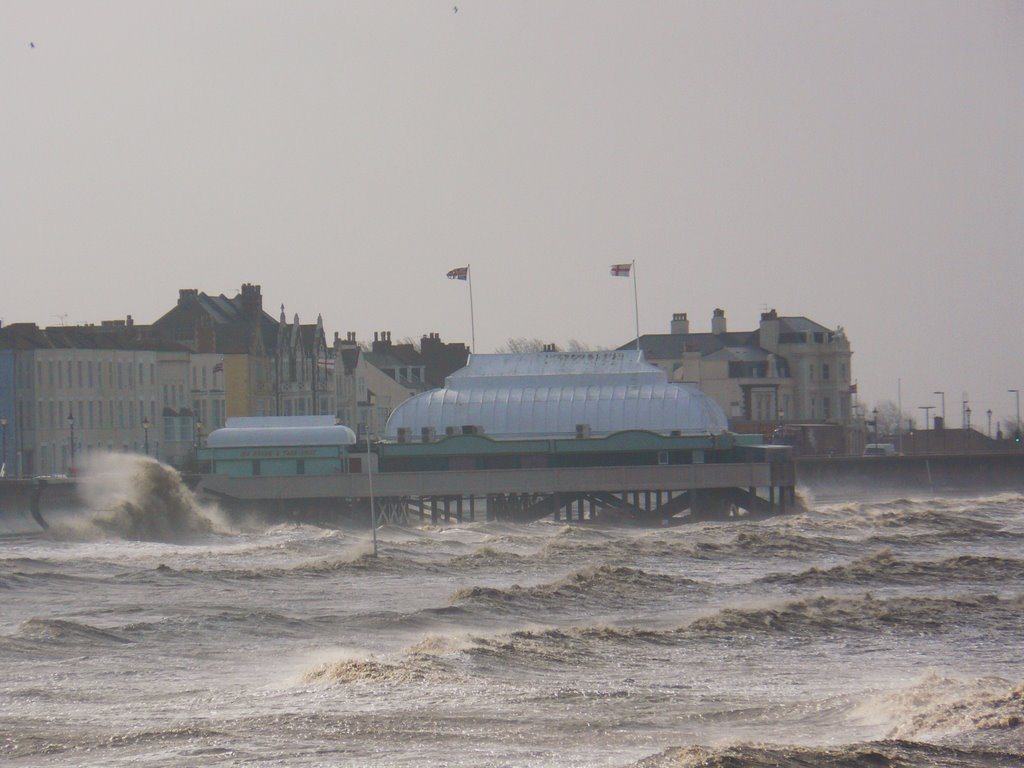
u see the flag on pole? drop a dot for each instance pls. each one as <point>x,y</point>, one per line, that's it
<point>218,368</point>
<point>459,273</point>
<point>853,388</point>
<point>618,270</point>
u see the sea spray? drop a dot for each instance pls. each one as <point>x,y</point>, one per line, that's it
<point>136,498</point>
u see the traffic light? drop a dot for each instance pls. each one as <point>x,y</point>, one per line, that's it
<point>1016,437</point>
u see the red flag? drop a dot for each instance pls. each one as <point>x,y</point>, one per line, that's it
<point>621,270</point>
<point>459,273</point>
<point>853,388</point>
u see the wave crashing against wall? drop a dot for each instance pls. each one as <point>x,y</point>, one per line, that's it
<point>136,498</point>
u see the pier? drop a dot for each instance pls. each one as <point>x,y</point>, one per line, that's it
<point>648,495</point>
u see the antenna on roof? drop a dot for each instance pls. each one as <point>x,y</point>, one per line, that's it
<point>63,319</point>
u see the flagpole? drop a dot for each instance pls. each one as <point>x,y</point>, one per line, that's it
<point>636,307</point>
<point>472,321</point>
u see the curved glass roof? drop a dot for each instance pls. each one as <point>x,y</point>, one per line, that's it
<point>550,393</point>
<point>267,431</point>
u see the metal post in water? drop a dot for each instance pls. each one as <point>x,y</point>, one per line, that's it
<point>373,508</point>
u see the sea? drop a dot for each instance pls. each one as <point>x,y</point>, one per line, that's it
<point>866,630</point>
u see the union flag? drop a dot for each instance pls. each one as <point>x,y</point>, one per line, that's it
<point>459,273</point>
<point>621,270</point>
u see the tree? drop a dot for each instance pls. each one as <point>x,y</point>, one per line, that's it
<point>521,345</point>
<point>891,420</point>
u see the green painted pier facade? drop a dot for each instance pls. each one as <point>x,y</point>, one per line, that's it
<point>633,476</point>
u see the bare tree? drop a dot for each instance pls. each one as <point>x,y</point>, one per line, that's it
<point>890,419</point>
<point>521,345</point>
<point>575,345</point>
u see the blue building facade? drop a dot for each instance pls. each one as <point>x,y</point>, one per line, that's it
<point>8,411</point>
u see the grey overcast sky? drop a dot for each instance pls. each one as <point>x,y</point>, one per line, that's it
<point>859,163</point>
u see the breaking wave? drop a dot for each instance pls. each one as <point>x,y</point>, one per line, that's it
<point>136,498</point>
<point>414,669</point>
<point>609,585</point>
<point>883,567</point>
<point>939,706</point>
<point>826,615</point>
<point>63,632</point>
<point>882,754</point>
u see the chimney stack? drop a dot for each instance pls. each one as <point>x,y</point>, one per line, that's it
<point>680,324</point>
<point>252,301</point>
<point>718,322</point>
<point>769,331</point>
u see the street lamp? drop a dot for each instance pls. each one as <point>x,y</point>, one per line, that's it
<point>373,508</point>
<point>199,434</point>
<point>943,396</point>
<point>989,414</point>
<point>967,426</point>
<point>71,426</point>
<point>145,431</point>
<point>874,413</point>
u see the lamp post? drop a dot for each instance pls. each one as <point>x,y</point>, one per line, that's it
<point>967,427</point>
<point>943,396</point>
<point>874,414</point>
<point>373,507</point>
<point>145,432</point>
<point>3,456</point>
<point>71,426</point>
<point>989,414</point>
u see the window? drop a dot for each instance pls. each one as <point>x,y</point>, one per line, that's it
<point>142,378</point>
<point>826,404</point>
<point>79,366</point>
<point>824,371</point>
<point>90,374</point>
<point>810,371</point>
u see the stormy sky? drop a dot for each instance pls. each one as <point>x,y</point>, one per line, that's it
<point>859,163</point>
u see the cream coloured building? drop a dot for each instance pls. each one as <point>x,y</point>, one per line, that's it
<point>87,389</point>
<point>365,395</point>
<point>789,369</point>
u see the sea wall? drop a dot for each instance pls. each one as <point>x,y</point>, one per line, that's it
<point>929,473</point>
